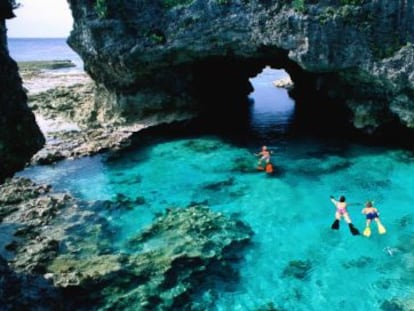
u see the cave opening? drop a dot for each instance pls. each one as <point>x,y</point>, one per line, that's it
<point>239,97</point>
<point>318,104</point>
<point>272,108</point>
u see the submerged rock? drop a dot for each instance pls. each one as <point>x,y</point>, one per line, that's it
<point>269,307</point>
<point>165,264</point>
<point>397,304</point>
<point>29,241</point>
<point>298,269</point>
<point>67,252</point>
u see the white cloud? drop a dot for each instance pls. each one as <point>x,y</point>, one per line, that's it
<point>41,19</point>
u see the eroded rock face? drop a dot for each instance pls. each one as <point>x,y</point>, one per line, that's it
<point>158,58</point>
<point>20,137</point>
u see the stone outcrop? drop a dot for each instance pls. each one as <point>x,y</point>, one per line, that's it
<point>182,58</point>
<point>166,263</point>
<point>73,102</point>
<point>64,106</point>
<point>20,136</point>
<point>61,253</point>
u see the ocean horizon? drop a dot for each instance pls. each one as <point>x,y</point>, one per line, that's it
<point>35,49</point>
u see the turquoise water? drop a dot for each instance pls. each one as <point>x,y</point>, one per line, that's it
<point>289,212</point>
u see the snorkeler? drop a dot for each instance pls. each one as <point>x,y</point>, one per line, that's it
<point>372,213</point>
<point>341,211</point>
<point>264,155</point>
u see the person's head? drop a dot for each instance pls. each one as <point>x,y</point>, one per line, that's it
<point>368,204</point>
<point>264,148</point>
<point>341,198</point>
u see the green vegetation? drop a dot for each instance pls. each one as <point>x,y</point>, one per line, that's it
<point>359,18</point>
<point>101,8</point>
<point>157,37</point>
<point>168,4</point>
<point>299,5</point>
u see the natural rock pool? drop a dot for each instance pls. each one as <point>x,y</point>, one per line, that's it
<point>295,261</point>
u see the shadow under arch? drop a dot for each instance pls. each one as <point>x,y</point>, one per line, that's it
<point>223,88</point>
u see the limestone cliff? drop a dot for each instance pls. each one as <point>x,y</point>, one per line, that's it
<point>158,58</point>
<point>20,137</point>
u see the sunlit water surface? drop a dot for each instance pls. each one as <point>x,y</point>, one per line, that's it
<point>290,213</point>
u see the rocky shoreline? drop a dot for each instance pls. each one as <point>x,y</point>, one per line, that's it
<point>55,248</point>
<point>64,106</point>
<point>65,246</point>
<point>63,103</point>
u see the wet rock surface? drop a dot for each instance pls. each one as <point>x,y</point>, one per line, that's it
<point>75,144</point>
<point>67,115</point>
<point>63,103</point>
<point>64,247</point>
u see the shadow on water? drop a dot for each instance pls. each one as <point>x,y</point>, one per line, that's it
<point>270,116</point>
<point>265,116</point>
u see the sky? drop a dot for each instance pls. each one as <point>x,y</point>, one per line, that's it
<point>40,19</point>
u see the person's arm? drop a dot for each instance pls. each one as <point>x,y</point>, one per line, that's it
<point>333,200</point>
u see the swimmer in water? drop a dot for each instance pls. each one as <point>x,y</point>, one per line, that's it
<point>371,213</point>
<point>342,212</point>
<point>264,155</point>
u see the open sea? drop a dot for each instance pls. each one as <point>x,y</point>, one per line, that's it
<point>32,49</point>
<point>296,262</point>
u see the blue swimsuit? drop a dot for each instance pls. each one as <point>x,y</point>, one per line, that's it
<point>372,216</point>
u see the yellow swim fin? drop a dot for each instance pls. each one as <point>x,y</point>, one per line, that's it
<point>367,232</point>
<point>381,229</point>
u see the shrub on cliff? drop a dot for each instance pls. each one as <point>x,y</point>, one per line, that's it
<point>7,7</point>
<point>101,8</point>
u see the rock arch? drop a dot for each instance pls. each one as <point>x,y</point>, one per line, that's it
<point>164,60</point>
<point>159,61</point>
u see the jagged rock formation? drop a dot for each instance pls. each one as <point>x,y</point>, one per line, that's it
<point>62,255</point>
<point>20,137</point>
<point>153,59</point>
<point>165,264</point>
